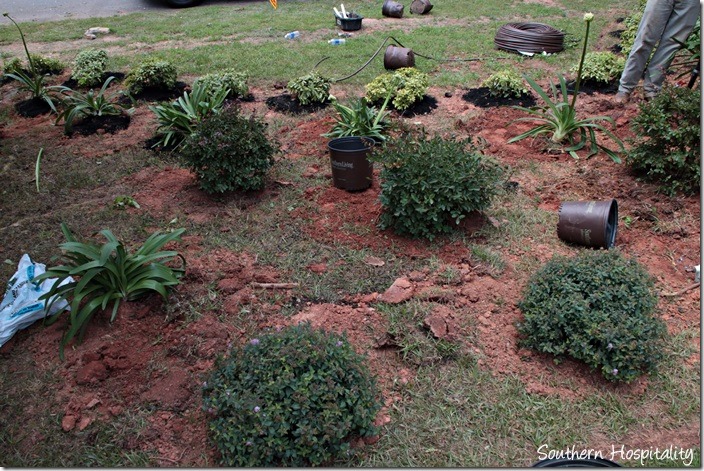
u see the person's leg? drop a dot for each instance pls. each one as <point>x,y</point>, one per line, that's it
<point>681,22</point>
<point>652,25</point>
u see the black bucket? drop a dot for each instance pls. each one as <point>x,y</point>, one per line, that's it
<point>576,463</point>
<point>352,23</point>
<point>351,170</point>
<point>398,57</point>
<point>392,9</point>
<point>590,223</point>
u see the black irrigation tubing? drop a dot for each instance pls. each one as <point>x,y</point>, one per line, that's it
<point>383,43</point>
<point>529,37</point>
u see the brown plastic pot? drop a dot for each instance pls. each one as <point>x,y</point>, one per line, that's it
<point>589,223</point>
<point>397,57</point>
<point>421,7</point>
<point>351,169</point>
<point>392,9</point>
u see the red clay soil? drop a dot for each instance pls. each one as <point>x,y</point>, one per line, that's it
<point>147,357</point>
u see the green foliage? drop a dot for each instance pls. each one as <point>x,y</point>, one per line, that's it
<point>178,119</point>
<point>506,83</point>
<point>152,73</point>
<point>597,307</point>
<point>602,67</point>
<point>407,85</point>
<point>667,147</point>
<point>46,65</point>
<point>12,66</point>
<point>360,119</point>
<point>89,67</point>
<point>77,104</point>
<point>429,185</point>
<point>295,397</point>
<point>229,79</point>
<point>228,151</point>
<point>311,88</point>
<point>108,274</point>
<point>124,201</point>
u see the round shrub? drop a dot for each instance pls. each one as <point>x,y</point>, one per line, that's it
<point>506,83</point>
<point>229,79</point>
<point>604,67</point>
<point>598,308</point>
<point>152,73</point>
<point>46,65</point>
<point>429,185</point>
<point>310,89</point>
<point>407,85</point>
<point>667,147</point>
<point>228,151</point>
<point>89,67</point>
<point>290,398</point>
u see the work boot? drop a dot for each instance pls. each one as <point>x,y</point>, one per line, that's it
<point>622,98</point>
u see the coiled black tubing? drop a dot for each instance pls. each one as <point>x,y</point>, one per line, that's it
<point>529,37</point>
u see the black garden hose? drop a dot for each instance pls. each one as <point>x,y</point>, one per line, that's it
<point>529,37</point>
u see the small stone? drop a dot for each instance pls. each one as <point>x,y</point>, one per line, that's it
<point>401,290</point>
<point>92,372</point>
<point>448,94</point>
<point>93,402</point>
<point>84,423</point>
<point>68,422</point>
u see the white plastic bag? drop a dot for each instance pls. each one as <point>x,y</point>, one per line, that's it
<point>21,306</point>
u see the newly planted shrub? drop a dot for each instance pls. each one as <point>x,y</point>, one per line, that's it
<point>178,120</point>
<point>89,67</point>
<point>228,151</point>
<point>429,185</point>
<point>407,85</point>
<point>77,105</point>
<point>229,79</point>
<point>108,275</point>
<point>152,73</point>
<point>290,398</point>
<point>667,147</point>
<point>360,119</point>
<point>46,65</point>
<point>506,83</point>
<point>598,308</point>
<point>604,67</point>
<point>310,89</point>
<point>12,66</point>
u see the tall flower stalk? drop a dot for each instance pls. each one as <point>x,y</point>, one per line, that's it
<point>588,17</point>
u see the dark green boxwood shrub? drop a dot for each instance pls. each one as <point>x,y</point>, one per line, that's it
<point>228,79</point>
<point>598,308</point>
<point>152,73</point>
<point>667,147</point>
<point>89,66</point>
<point>228,151</point>
<point>290,398</point>
<point>429,185</point>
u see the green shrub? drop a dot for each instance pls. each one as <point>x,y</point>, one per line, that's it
<point>506,83</point>
<point>152,73</point>
<point>360,119</point>
<point>235,82</point>
<point>12,66</point>
<point>228,151</point>
<point>178,119</point>
<point>311,88</point>
<point>108,275</point>
<point>290,398</point>
<point>89,66</point>
<point>667,147</point>
<point>429,186</point>
<point>47,65</point>
<point>598,308</point>
<point>601,67</point>
<point>406,84</point>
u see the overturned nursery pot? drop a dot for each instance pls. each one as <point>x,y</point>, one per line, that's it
<point>351,170</point>
<point>398,57</point>
<point>590,223</point>
<point>392,9</point>
<point>421,7</point>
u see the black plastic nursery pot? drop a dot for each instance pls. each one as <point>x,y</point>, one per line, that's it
<point>392,9</point>
<point>351,169</point>
<point>352,23</point>
<point>589,223</point>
